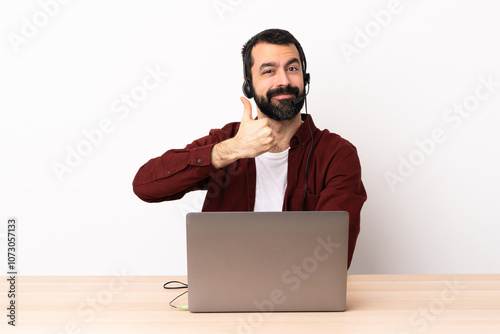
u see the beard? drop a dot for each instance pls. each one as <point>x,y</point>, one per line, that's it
<point>282,109</point>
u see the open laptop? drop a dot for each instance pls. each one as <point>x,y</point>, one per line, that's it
<point>267,261</point>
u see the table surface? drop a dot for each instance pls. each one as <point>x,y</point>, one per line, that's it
<point>399,304</point>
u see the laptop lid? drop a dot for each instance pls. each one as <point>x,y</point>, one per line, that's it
<point>267,261</point>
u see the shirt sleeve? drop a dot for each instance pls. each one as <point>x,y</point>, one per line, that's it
<point>344,191</point>
<point>179,171</point>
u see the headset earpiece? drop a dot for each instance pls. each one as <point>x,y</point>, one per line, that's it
<point>307,79</point>
<point>307,76</point>
<point>247,88</point>
<point>247,84</point>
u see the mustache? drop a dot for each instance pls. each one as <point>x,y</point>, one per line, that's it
<point>292,90</point>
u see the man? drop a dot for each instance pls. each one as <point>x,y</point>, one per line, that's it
<point>279,161</point>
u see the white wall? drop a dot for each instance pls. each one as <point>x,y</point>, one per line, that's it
<point>70,73</point>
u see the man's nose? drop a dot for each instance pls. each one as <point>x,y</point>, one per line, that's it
<point>282,79</point>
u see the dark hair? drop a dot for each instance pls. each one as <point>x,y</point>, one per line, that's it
<point>271,36</point>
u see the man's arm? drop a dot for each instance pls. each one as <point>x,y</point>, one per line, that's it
<point>177,172</point>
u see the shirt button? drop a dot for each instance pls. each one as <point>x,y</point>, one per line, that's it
<point>169,172</point>
<point>303,144</point>
<point>199,161</point>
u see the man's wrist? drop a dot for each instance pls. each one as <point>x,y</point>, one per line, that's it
<point>223,154</point>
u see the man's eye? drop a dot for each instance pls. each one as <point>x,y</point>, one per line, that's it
<point>267,72</point>
<point>293,68</point>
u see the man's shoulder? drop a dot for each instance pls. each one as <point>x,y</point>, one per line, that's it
<point>334,149</point>
<point>333,141</point>
<point>323,138</point>
<point>227,131</point>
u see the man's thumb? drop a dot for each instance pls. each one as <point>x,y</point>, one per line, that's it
<point>247,111</point>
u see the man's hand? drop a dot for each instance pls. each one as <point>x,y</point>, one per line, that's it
<point>254,137</point>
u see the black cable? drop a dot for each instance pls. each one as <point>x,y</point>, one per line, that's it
<point>308,156</point>
<point>182,286</point>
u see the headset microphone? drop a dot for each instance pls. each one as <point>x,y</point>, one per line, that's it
<point>299,99</point>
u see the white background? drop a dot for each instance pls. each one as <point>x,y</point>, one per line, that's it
<point>70,73</point>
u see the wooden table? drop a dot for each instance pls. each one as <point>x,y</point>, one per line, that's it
<point>399,304</point>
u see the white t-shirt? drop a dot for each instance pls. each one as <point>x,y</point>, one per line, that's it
<point>272,172</point>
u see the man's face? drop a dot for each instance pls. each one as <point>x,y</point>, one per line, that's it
<point>277,80</point>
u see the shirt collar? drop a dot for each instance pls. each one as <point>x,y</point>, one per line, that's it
<point>303,134</point>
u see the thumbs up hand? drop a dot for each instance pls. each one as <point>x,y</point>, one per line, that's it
<point>254,137</point>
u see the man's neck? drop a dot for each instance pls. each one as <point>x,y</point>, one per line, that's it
<point>283,130</point>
